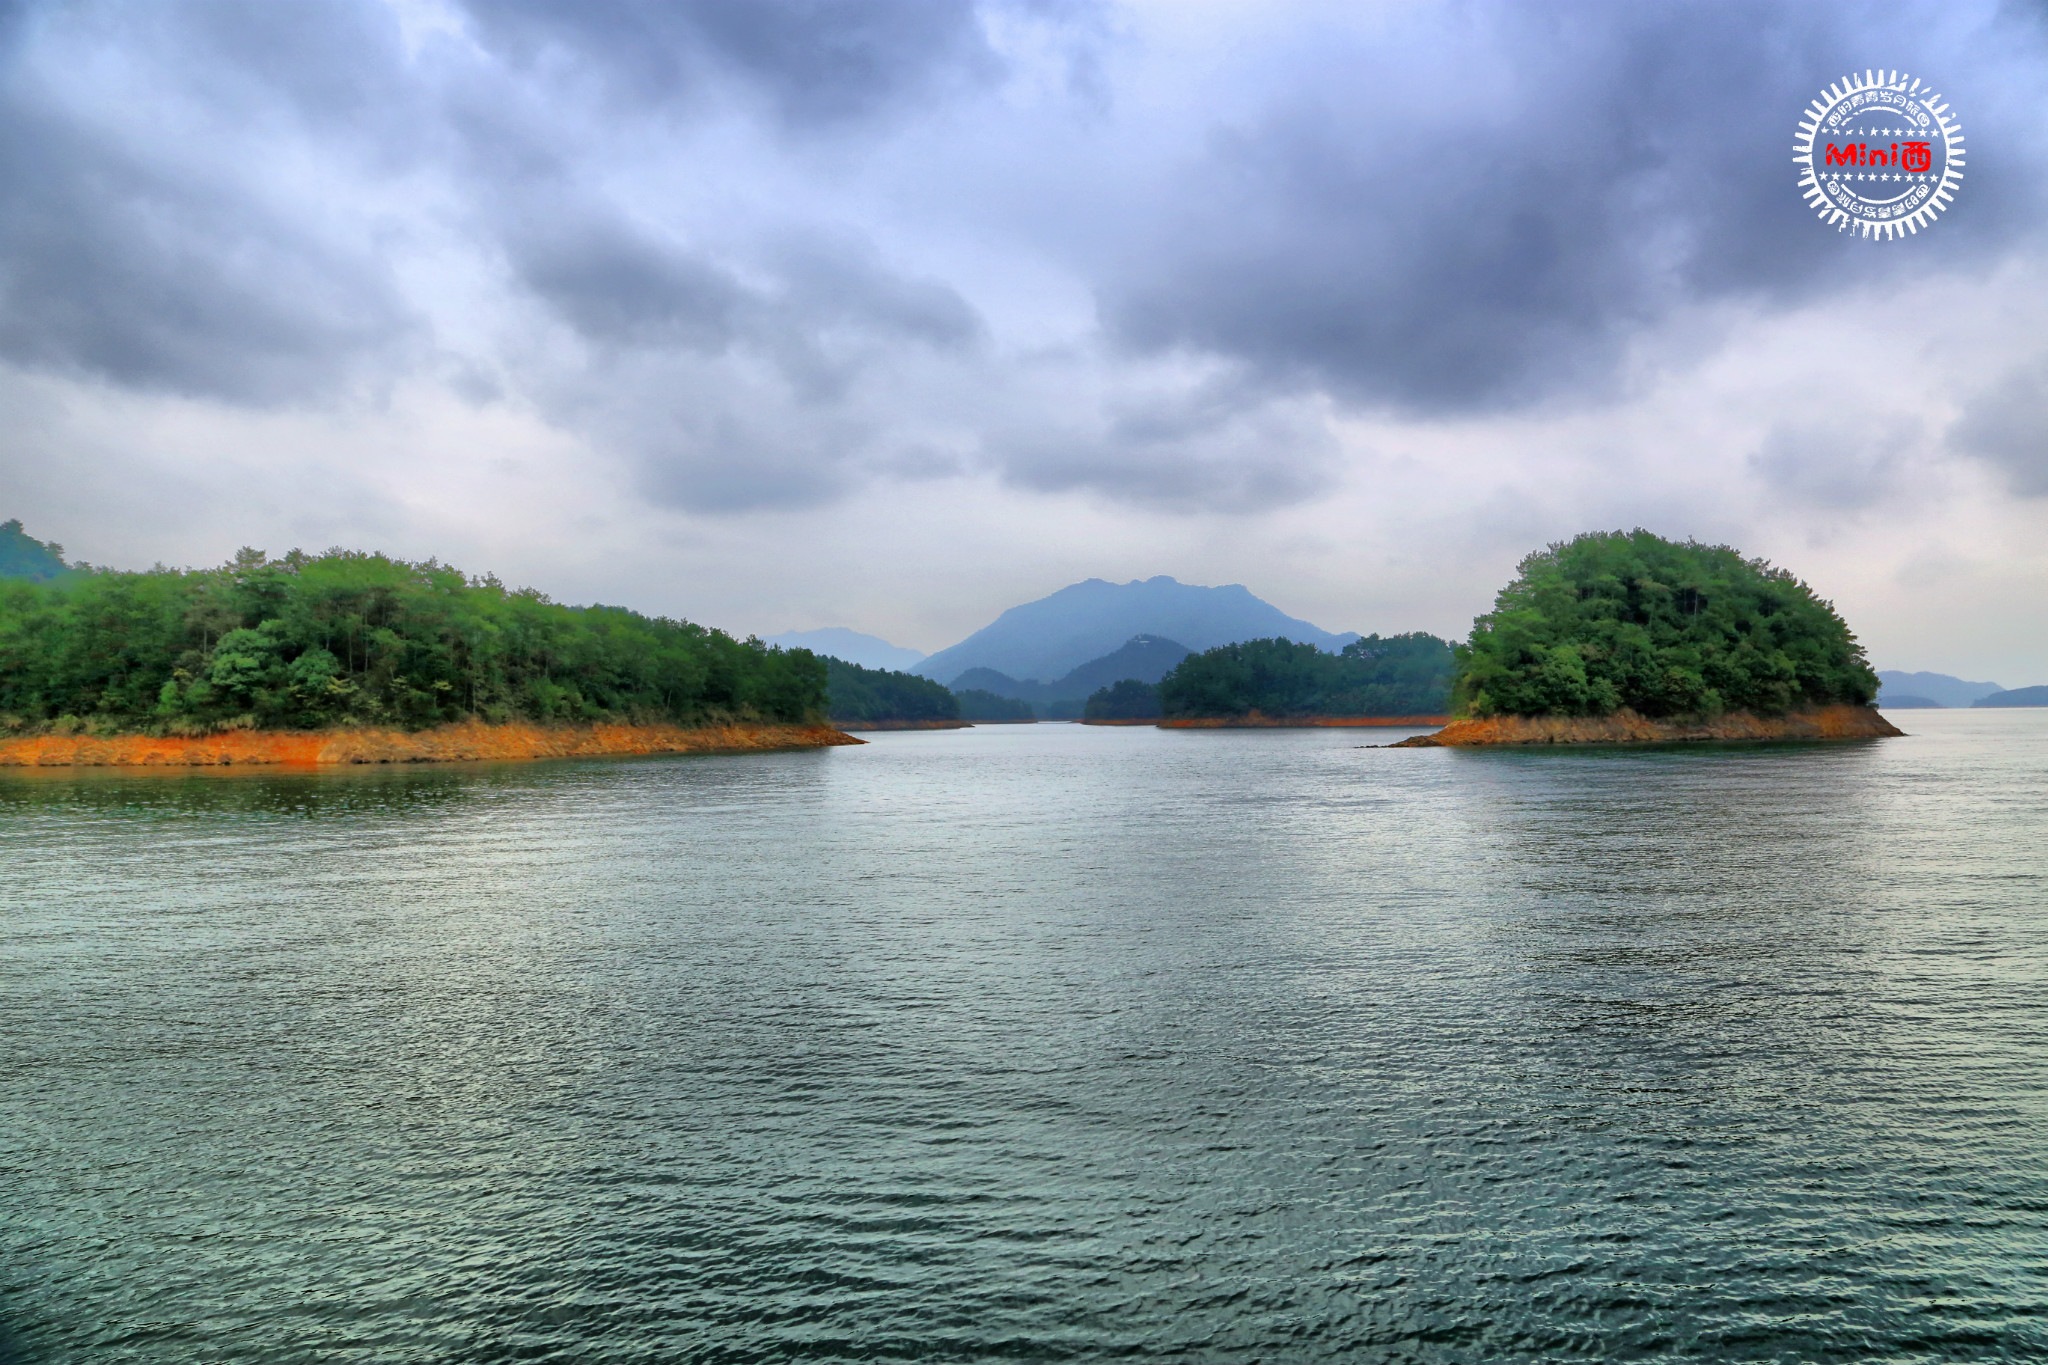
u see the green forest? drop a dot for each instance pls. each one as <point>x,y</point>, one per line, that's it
<point>1395,675</point>
<point>875,694</point>
<point>309,641</point>
<point>1130,699</point>
<point>22,556</point>
<point>1629,619</point>
<point>978,704</point>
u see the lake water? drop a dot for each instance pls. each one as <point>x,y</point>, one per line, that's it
<point>1037,1043</point>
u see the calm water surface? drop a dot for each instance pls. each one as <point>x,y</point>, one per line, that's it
<point>1037,1043</point>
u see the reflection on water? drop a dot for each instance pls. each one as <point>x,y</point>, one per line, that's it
<point>1035,1042</point>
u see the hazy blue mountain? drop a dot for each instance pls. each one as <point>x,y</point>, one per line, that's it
<point>1148,658</point>
<point>850,645</point>
<point>1907,702</point>
<point>1001,684</point>
<point>1938,688</point>
<point>1144,657</point>
<point>24,557</point>
<point>1055,635</point>
<point>2019,696</point>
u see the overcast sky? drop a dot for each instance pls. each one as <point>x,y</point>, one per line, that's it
<point>895,313</point>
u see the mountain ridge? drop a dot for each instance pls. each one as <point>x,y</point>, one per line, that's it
<point>1047,639</point>
<point>1901,689</point>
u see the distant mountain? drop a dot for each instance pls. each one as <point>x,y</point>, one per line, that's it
<point>1148,658</point>
<point>1906,702</point>
<point>1938,688</point>
<point>1055,635</point>
<point>23,557</point>
<point>850,645</point>
<point>2019,696</point>
<point>1144,657</point>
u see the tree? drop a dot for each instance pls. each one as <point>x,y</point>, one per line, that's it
<point>1396,675</point>
<point>351,638</point>
<point>1129,699</point>
<point>1628,619</point>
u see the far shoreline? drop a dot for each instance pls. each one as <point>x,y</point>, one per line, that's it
<point>1255,721</point>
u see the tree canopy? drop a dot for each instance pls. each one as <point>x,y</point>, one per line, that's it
<point>876,694</point>
<point>978,704</point>
<point>1628,619</point>
<point>1130,699</point>
<point>1395,675</point>
<point>22,556</point>
<point>309,641</point>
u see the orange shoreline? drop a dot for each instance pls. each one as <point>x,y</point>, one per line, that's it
<point>1626,727</point>
<point>467,742</point>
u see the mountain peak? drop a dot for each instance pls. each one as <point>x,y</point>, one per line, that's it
<point>1049,638</point>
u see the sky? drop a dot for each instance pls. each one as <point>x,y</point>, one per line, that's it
<point>892,314</point>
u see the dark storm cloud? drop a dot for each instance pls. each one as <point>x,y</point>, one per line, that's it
<point>2007,426</point>
<point>1484,205</point>
<point>126,255</point>
<point>1460,208</point>
<point>816,61</point>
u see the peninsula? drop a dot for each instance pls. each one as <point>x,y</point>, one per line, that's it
<point>1618,637</point>
<point>348,657</point>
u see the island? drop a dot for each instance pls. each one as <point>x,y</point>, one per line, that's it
<point>352,657</point>
<point>1625,637</point>
<point>1387,681</point>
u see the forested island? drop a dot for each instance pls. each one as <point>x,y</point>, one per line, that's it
<point>350,642</point>
<point>1628,636</point>
<point>1281,682</point>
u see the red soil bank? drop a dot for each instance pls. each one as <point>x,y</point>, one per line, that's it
<point>445,744</point>
<point>1626,727</point>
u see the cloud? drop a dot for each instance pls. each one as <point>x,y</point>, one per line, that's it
<point>814,62</point>
<point>1474,208</point>
<point>1847,463</point>
<point>768,254</point>
<point>2007,427</point>
<point>157,263</point>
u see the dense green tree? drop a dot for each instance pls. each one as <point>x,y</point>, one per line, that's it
<point>1396,675</point>
<point>879,694</point>
<point>1628,619</point>
<point>24,557</point>
<point>1129,699</point>
<point>351,638</point>
<point>977,704</point>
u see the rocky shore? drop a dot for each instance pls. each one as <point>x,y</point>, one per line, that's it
<point>467,742</point>
<point>1626,727</point>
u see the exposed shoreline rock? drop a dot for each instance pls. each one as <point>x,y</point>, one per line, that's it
<point>468,742</point>
<point>1626,727</point>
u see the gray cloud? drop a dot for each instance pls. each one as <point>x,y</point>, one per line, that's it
<point>1843,464</point>
<point>711,224</point>
<point>815,61</point>
<point>2007,427</point>
<point>1462,215</point>
<point>126,256</point>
